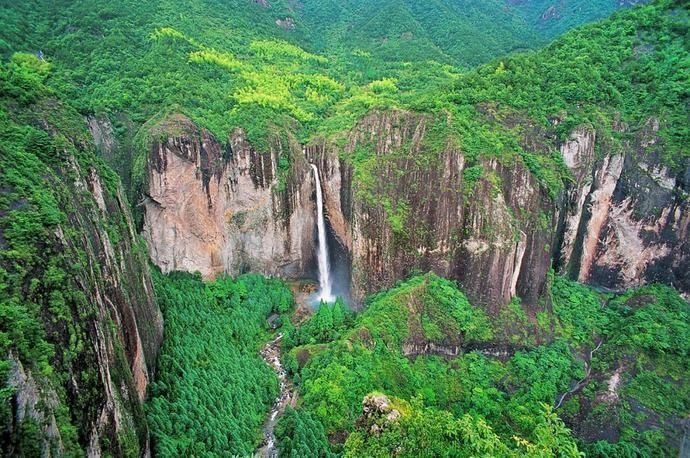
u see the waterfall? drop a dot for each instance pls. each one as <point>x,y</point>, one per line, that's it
<point>324,267</point>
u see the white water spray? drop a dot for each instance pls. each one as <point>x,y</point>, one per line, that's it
<point>324,267</point>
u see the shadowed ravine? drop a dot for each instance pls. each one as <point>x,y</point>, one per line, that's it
<point>271,354</point>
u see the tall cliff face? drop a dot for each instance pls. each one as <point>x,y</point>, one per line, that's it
<point>416,214</point>
<point>627,214</point>
<point>621,222</point>
<point>227,209</point>
<point>401,198</point>
<point>81,328</point>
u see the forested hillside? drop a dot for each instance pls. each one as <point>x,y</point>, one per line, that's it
<point>504,201</point>
<point>434,379</point>
<point>459,32</point>
<point>553,18</point>
<point>136,59</point>
<point>79,326</point>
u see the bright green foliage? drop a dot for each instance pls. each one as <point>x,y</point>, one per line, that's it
<point>434,301</point>
<point>537,377</point>
<point>552,19</point>
<point>580,311</point>
<point>226,65</point>
<point>427,432</point>
<point>369,356</point>
<point>464,32</point>
<point>635,64</point>
<point>476,405</point>
<point>654,319</point>
<point>327,324</point>
<point>301,436</point>
<point>465,405</point>
<point>214,389</point>
<point>640,339</point>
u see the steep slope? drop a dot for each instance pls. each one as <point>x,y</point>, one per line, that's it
<point>515,166</point>
<point>461,32</point>
<point>551,18</point>
<point>420,371</point>
<point>79,328</point>
<point>217,208</point>
<point>108,62</point>
<point>574,156</point>
<point>465,33</point>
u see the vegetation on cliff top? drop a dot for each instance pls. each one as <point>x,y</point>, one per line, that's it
<point>618,364</point>
<point>134,62</point>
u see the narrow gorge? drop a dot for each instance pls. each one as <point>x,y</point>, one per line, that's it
<point>326,228</point>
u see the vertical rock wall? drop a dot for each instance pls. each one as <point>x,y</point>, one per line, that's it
<point>407,207</point>
<point>628,215</point>
<point>217,209</point>
<point>416,215</point>
<point>102,321</point>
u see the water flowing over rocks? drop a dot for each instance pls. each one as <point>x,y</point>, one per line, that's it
<point>217,209</point>
<point>287,397</point>
<point>471,239</point>
<point>621,221</point>
<point>324,264</point>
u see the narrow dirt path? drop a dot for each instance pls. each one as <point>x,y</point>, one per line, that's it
<point>271,354</point>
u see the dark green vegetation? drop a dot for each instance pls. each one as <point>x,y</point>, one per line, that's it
<point>639,386</point>
<point>27,153</point>
<point>226,64</point>
<point>554,18</point>
<point>61,213</point>
<point>425,347</point>
<point>214,390</point>
<point>461,32</point>
<point>327,324</point>
<point>617,370</point>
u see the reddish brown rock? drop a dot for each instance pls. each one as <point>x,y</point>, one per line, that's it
<point>216,209</point>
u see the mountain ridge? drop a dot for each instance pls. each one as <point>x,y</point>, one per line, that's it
<point>571,160</point>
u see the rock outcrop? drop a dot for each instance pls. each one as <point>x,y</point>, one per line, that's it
<point>378,413</point>
<point>126,325</point>
<point>217,208</point>
<point>627,215</point>
<point>92,300</point>
<point>398,200</point>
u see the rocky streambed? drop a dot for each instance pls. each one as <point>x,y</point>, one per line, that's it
<point>271,354</point>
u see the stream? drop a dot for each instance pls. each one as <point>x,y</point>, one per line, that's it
<point>271,354</point>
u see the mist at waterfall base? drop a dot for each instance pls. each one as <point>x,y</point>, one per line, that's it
<point>333,271</point>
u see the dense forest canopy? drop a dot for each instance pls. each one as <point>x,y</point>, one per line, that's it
<point>421,370</point>
<point>214,389</point>
<point>475,403</point>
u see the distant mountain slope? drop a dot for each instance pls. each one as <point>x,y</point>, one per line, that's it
<point>553,17</point>
<point>464,32</point>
